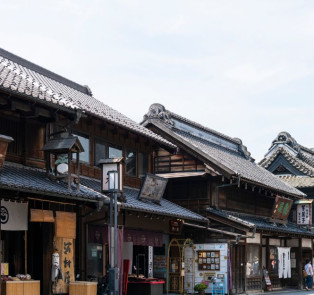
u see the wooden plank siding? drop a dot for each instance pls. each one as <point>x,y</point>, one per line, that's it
<point>30,135</point>
<point>165,162</point>
<point>234,198</point>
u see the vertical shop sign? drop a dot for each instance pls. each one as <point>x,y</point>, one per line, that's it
<point>150,261</point>
<point>66,249</point>
<point>304,214</point>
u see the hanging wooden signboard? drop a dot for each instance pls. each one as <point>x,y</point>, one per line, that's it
<point>65,225</point>
<point>38,215</point>
<point>153,188</point>
<point>281,208</point>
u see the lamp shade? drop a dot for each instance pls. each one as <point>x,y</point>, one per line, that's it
<point>111,168</point>
<point>113,180</point>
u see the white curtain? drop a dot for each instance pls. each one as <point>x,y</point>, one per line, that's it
<point>14,215</point>
<point>284,266</point>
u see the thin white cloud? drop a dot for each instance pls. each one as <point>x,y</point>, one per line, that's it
<point>242,67</point>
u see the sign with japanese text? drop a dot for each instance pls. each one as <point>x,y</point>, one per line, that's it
<point>175,226</point>
<point>65,249</point>
<point>281,208</point>
<point>304,214</point>
<point>153,188</point>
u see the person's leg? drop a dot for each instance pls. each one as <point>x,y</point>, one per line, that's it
<point>310,282</point>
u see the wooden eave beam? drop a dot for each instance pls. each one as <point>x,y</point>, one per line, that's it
<point>26,99</point>
<point>228,222</point>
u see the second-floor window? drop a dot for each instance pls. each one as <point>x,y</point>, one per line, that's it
<point>84,156</point>
<point>130,162</point>
<point>142,164</point>
<point>104,150</point>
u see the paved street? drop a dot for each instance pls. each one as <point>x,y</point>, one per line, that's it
<point>287,292</point>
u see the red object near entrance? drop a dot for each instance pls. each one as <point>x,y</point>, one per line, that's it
<point>126,265</point>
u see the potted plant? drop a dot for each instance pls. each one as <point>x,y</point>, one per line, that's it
<point>201,287</point>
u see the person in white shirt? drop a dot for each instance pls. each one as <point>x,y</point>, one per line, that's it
<point>309,270</point>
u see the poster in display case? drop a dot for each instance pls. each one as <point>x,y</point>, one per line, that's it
<point>211,262</point>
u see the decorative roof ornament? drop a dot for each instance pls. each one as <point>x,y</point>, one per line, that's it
<point>158,111</point>
<point>243,149</point>
<point>285,137</point>
<point>88,90</point>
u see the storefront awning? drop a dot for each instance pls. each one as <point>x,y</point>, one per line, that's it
<point>181,174</point>
<point>264,223</point>
<point>132,203</point>
<point>35,181</point>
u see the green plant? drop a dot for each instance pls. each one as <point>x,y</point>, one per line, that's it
<point>201,286</point>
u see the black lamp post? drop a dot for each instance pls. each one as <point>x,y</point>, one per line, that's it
<point>112,185</point>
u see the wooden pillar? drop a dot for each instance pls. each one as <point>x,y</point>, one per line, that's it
<point>268,266</point>
<point>299,265</point>
<point>244,266</point>
<point>0,258</point>
<point>25,241</point>
<point>261,259</point>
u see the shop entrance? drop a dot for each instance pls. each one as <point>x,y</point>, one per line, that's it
<point>140,261</point>
<point>39,252</point>
<point>238,268</point>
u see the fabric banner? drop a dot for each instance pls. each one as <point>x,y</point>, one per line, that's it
<point>14,215</point>
<point>97,234</point>
<point>284,266</point>
<point>143,238</point>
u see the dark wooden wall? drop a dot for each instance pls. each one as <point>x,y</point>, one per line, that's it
<point>246,201</point>
<point>166,162</point>
<point>30,135</point>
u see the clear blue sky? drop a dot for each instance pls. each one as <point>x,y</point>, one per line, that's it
<point>244,68</point>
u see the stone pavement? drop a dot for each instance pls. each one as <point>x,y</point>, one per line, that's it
<point>287,292</point>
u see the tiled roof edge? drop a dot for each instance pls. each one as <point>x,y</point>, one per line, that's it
<point>43,71</point>
<point>159,112</point>
<point>303,167</point>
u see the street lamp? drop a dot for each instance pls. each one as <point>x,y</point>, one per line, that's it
<point>111,183</point>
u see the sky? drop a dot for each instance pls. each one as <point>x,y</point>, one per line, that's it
<point>243,68</point>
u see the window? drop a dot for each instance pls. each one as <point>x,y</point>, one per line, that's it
<point>114,152</point>
<point>273,257</point>
<point>84,156</point>
<point>142,164</point>
<point>100,151</point>
<point>104,150</point>
<point>252,261</point>
<point>130,162</point>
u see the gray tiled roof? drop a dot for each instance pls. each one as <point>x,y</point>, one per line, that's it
<point>298,181</point>
<point>165,207</point>
<point>299,156</point>
<point>22,178</point>
<point>22,77</point>
<point>295,161</point>
<point>262,223</point>
<point>228,154</point>
<point>240,165</point>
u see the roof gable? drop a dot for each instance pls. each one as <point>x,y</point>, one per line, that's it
<point>283,164</point>
<point>298,159</point>
<point>228,155</point>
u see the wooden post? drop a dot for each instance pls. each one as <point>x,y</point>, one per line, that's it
<point>300,264</point>
<point>25,240</point>
<point>261,259</point>
<point>0,258</point>
<point>69,170</point>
